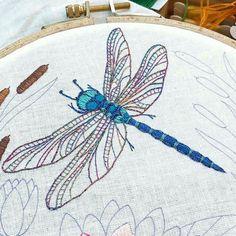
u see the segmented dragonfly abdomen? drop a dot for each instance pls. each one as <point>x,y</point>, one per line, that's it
<point>174,143</point>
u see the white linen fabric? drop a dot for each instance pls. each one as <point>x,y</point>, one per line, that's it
<point>152,190</point>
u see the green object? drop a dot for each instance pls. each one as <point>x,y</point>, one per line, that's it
<point>145,3</point>
<point>185,11</point>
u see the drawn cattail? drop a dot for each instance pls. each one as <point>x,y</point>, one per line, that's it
<point>3,145</point>
<point>3,94</point>
<point>32,79</point>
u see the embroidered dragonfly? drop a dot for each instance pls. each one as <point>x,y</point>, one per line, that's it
<point>100,127</point>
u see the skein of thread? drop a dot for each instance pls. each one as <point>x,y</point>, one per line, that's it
<point>3,94</point>
<point>211,15</point>
<point>28,82</point>
<point>219,17</point>
<point>3,145</point>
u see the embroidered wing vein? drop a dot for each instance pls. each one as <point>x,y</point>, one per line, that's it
<point>118,68</point>
<point>90,163</point>
<point>146,86</point>
<point>53,148</point>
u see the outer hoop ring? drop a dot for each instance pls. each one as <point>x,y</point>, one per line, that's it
<point>67,25</point>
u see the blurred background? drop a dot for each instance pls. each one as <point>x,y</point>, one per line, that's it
<point>21,18</point>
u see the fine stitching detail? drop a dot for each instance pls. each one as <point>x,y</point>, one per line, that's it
<point>101,123</point>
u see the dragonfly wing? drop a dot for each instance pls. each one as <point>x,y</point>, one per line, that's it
<point>147,84</point>
<point>94,159</point>
<point>52,148</point>
<point>118,66</point>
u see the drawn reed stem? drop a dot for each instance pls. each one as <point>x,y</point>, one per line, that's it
<point>3,145</point>
<point>28,82</point>
<point>3,94</point>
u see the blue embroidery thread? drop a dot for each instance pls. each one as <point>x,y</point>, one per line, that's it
<point>102,117</point>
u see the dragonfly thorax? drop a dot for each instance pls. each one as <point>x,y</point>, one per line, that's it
<point>92,100</point>
<point>116,112</point>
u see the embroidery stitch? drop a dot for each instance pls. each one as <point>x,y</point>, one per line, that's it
<point>3,145</point>
<point>8,115</point>
<point>28,82</point>
<point>3,95</point>
<point>101,124</point>
<point>24,85</point>
<point>224,94</point>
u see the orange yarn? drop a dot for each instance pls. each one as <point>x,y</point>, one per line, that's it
<point>210,16</point>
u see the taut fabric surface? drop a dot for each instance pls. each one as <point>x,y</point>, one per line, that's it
<point>152,190</point>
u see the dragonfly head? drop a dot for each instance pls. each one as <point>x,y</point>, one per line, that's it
<point>90,100</point>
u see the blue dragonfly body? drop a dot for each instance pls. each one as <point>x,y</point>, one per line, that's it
<point>94,140</point>
<point>92,100</point>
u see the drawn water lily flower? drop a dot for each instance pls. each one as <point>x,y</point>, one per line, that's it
<point>121,221</point>
<point>117,221</point>
<point>18,206</point>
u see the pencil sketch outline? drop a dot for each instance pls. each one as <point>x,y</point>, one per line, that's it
<point>225,97</point>
<point>103,118</point>
<point>26,195</point>
<point>42,90</point>
<point>113,219</point>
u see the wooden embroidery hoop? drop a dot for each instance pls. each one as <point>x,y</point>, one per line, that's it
<point>88,20</point>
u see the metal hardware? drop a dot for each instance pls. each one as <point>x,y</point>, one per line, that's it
<point>76,10</point>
